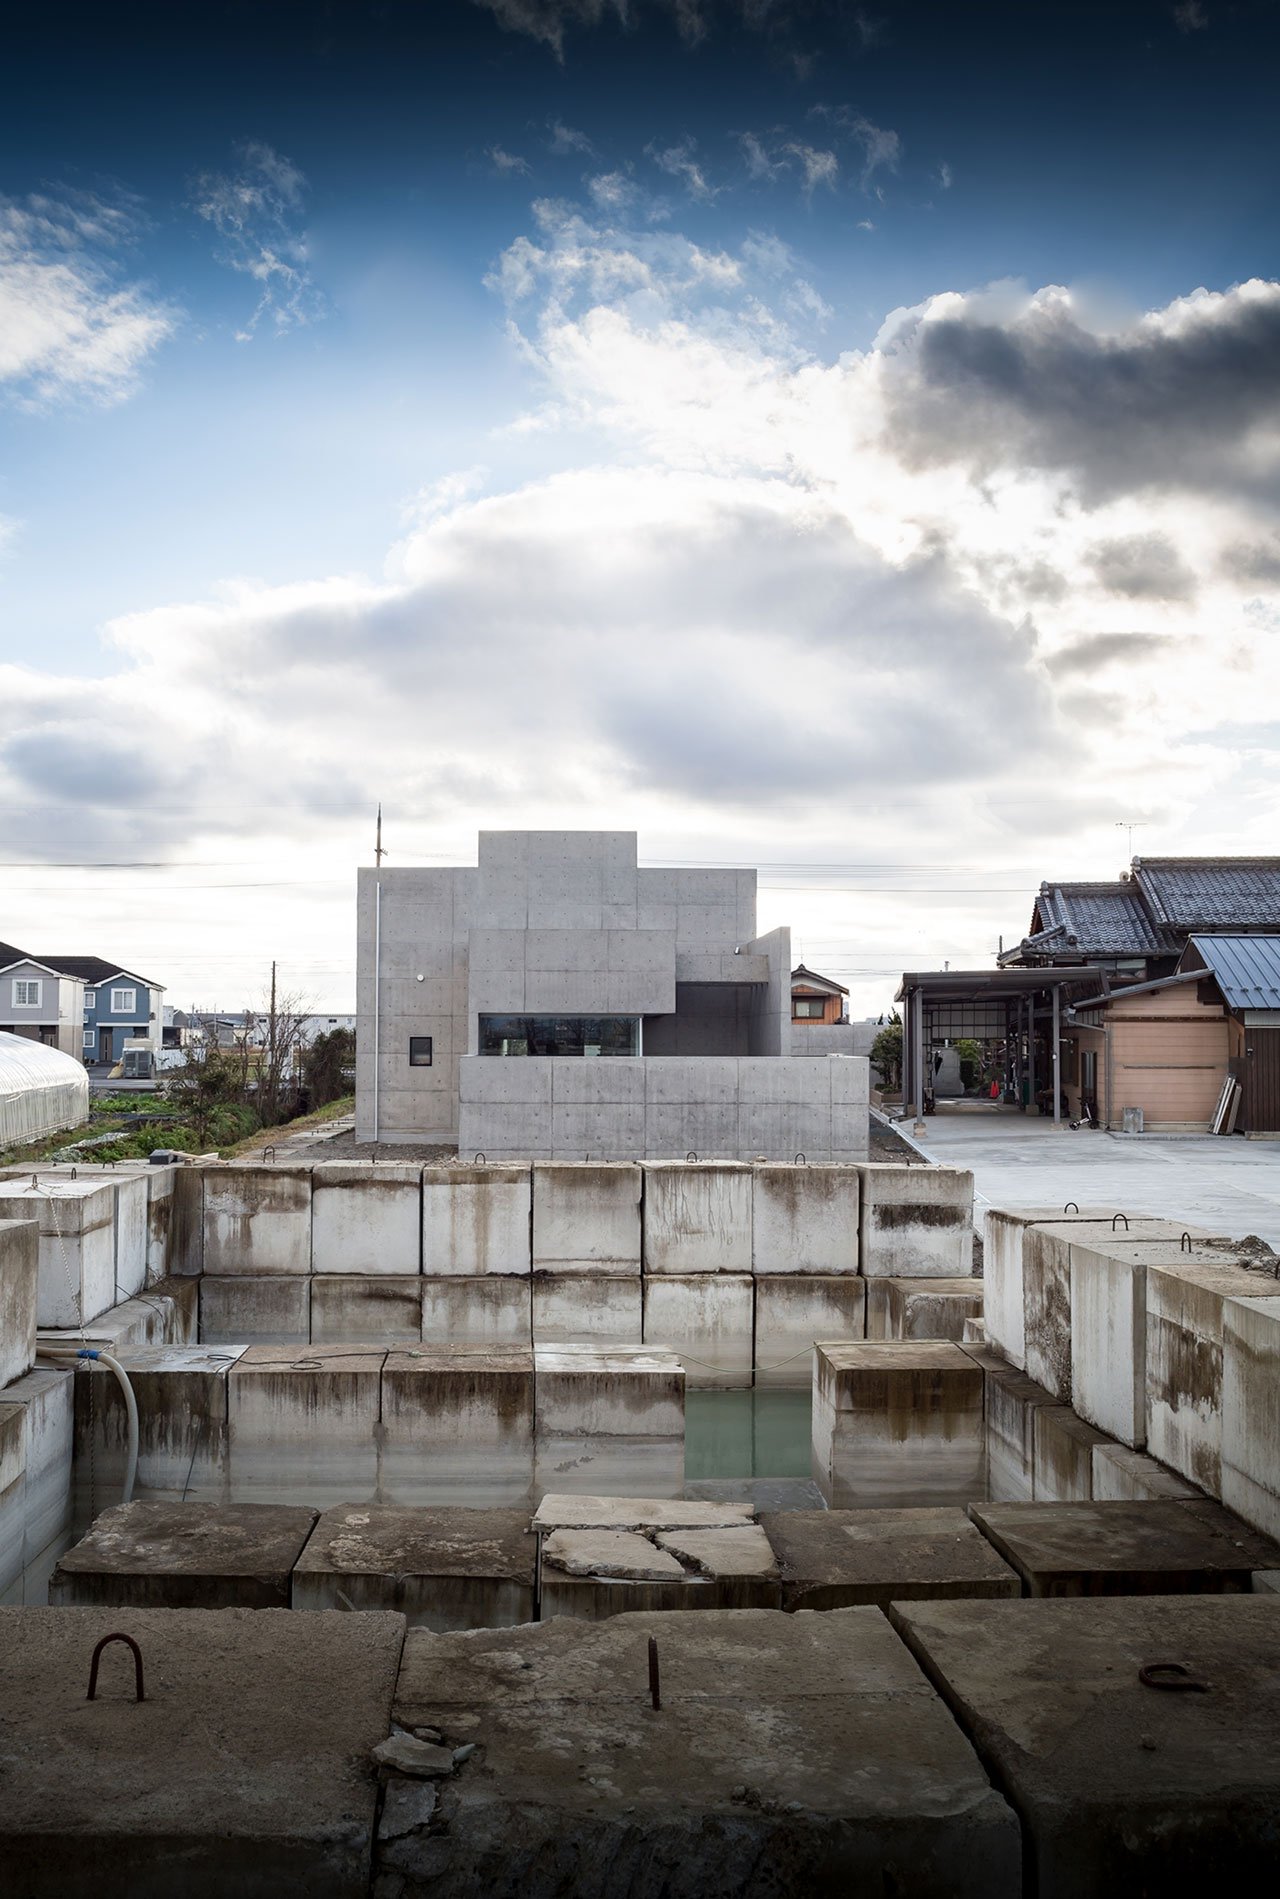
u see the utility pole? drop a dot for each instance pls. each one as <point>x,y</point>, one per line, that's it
<point>378,852</point>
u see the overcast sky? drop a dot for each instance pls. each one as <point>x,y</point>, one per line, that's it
<point>837,438</point>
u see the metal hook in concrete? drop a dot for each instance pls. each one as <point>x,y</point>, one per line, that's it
<point>137,1665</point>
<point>480,1158</point>
<point>801,1160</point>
<point>654,1688</point>
<point>691,1155</point>
<point>1072,1206</point>
<point>1119,1216</point>
<point>1184,1244</point>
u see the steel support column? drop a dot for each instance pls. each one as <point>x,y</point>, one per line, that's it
<point>1057,1055</point>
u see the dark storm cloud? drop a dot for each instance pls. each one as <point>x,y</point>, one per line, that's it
<point>1142,567</point>
<point>1253,562</point>
<point>1089,655</point>
<point>1184,399</point>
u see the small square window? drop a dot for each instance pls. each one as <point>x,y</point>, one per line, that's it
<point>123,1001</point>
<point>26,995</point>
<point>89,1038</point>
<point>90,998</point>
<point>419,1051</point>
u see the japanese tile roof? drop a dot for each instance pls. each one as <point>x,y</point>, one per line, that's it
<point>1245,968</point>
<point>1201,893</point>
<point>1094,920</point>
<point>802,975</point>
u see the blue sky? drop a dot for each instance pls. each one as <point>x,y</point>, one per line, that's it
<point>789,430</point>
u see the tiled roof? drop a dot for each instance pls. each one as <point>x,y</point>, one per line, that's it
<point>1200,893</point>
<point>1245,968</point>
<point>801,975</point>
<point>92,969</point>
<point>1095,920</point>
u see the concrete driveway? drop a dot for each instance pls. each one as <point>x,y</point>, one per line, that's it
<point>1224,1183</point>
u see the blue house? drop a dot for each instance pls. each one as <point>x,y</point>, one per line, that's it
<point>119,1006</point>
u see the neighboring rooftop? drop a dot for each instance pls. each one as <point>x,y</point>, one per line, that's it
<point>1205,893</point>
<point>1151,911</point>
<point>1245,968</point>
<point>808,978</point>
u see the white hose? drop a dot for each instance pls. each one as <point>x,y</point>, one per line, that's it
<point>62,1353</point>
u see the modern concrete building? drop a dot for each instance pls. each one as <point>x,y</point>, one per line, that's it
<point>559,1002</point>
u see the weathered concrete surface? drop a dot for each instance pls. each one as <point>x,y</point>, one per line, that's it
<point>930,1308</point>
<point>19,1275</point>
<point>1010,1403</point>
<point>792,1756</point>
<point>707,1319</point>
<point>837,1559</point>
<point>457,1426</point>
<point>257,1220</point>
<point>184,1556</point>
<point>566,1511</point>
<point>897,1423</point>
<point>1121,1788</point>
<point>245,1770</point>
<point>1184,1364</point>
<point>578,1308</point>
<point>805,1220</point>
<point>441,1569</point>
<point>608,1420</point>
<point>13,1452</point>
<point>366,1217</point>
<point>1162,1547</point>
<point>181,1394</point>
<point>255,1311</point>
<point>586,1218</point>
<point>1121,1475</point>
<point>1002,1267</point>
<point>303,1424</point>
<point>1062,1455</point>
<point>915,1222</point>
<point>76,1272</point>
<point>480,1310</point>
<point>620,1554</point>
<point>743,1555</point>
<point>697,1217</point>
<point>1251,1411</point>
<point>182,1298</point>
<point>371,1309</point>
<point>792,1313</point>
<point>35,1494</point>
<point>475,1220</point>
<point>184,1251</point>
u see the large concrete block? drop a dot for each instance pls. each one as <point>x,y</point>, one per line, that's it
<point>707,1320</point>
<point>1010,1403</point>
<point>586,1218</point>
<point>19,1279</point>
<point>441,1569</point>
<point>475,1220</point>
<point>1120,1789</point>
<point>1122,1475</point>
<point>577,1308</point>
<point>697,1217</point>
<point>246,1769</point>
<point>1156,1548</point>
<point>240,1311</point>
<point>132,1237</point>
<point>897,1424</point>
<point>44,1399</point>
<point>257,1220</point>
<point>915,1222</point>
<point>161,1217</point>
<point>185,1244</point>
<point>303,1424</point>
<point>457,1426</point>
<point>743,1782</point>
<point>1063,1447</point>
<point>184,1556</point>
<point>1251,1412</point>
<point>484,1310</point>
<point>609,1420</point>
<point>836,1559</point>
<point>181,1395</point>
<point>366,1218</point>
<point>13,1502</point>
<point>594,1574</point>
<point>1002,1267</point>
<point>930,1308</point>
<point>373,1309</point>
<point>76,1278</point>
<point>794,1311</point>
<point>805,1219</point>
<point>1184,1364</point>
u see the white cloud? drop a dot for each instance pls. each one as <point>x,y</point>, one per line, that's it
<point>944,175</point>
<point>256,211</point>
<point>817,167</point>
<point>507,163</point>
<point>69,325</point>
<point>565,140</point>
<point>678,161</point>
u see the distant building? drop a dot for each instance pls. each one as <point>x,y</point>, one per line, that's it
<point>40,1002</point>
<point>83,1005</point>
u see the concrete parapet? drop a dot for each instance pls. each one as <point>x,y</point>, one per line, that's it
<point>373,1309</point>
<point>257,1220</point>
<point>442,1569</point>
<point>76,1274</point>
<point>366,1218</point>
<point>805,1219</point>
<point>609,1419</point>
<point>707,1320</point>
<point>897,1424</point>
<point>793,1311</point>
<point>19,1279</point>
<point>303,1424</point>
<point>915,1222</point>
<point>586,1218</point>
<point>582,1309</point>
<point>697,1217</point>
<point>475,1220</point>
<point>1251,1412</point>
<point>255,1311</point>
<point>484,1310</point>
<point>930,1308</point>
<point>184,1556</point>
<point>1184,1364</point>
<point>457,1426</point>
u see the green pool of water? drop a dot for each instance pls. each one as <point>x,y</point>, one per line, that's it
<point>746,1434</point>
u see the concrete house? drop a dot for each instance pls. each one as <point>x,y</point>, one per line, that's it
<point>557,1001</point>
<point>40,1001</point>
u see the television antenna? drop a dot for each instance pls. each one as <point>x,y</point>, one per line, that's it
<point>1123,824</point>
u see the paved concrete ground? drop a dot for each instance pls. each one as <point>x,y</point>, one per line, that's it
<point>1223,1183</point>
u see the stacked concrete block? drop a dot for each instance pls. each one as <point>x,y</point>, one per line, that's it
<point>487,1309</point>
<point>1003,1241</point>
<point>181,1392</point>
<point>609,1420</point>
<point>1184,1364</point>
<point>476,1257</point>
<point>579,1308</point>
<point>44,1399</point>
<point>143,1321</point>
<point>697,1217</point>
<point>707,1320</point>
<point>185,1243</point>
<point>255,1311</point>
<point>794,1311</point>
<point>366,1218</point>
<point>442,1569</point>
<point>130,1195</point>
<point>930,1308</point>
<point>457,1426</point>
<point>1251,1411</point>
<point>371,1308</point>
<point>1122,1475</point>
<point>303,1424</point>
<point>805,1220</point>
<point>19,1276</point>
<point>915,1222</point>
<point>1063,1452</point>
<point>161,1221</point>
<point>150,1555</point>
<point>77,1260</point>
<point>257,1220</point>
<point>586,1252</point>
<point>897,1424</point>
<point>13,1451</point>
<point>1011,1401</point>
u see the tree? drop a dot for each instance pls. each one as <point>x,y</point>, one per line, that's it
<point>328,1067</point>
<point>970,1054</point>
<point>278,1032</point>
<point>886,1052</point>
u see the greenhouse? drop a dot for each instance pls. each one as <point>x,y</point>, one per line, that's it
<point>41,1090</point>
